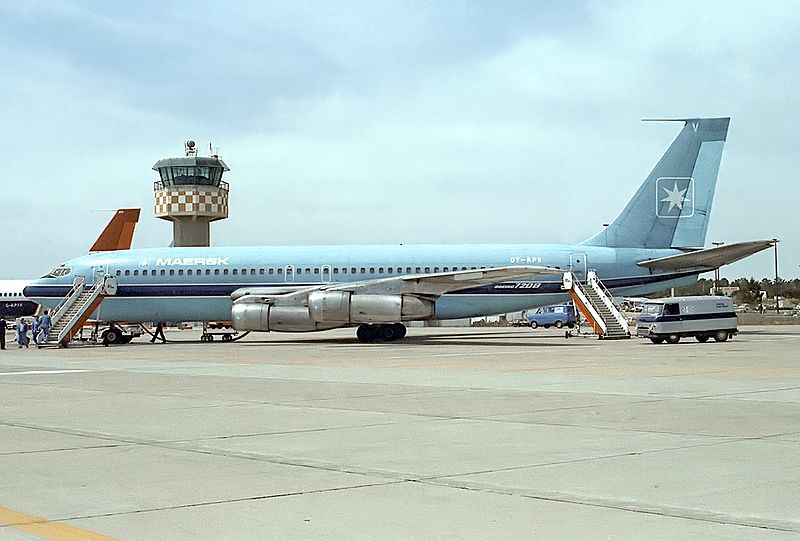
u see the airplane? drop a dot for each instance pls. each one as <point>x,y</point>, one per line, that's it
<point>117,235</point>
<point>653,245</point>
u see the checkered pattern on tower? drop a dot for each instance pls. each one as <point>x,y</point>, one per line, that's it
<point>205,201</point>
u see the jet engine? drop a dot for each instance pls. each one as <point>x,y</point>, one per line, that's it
<point>345,307</point>
<point>257,316</point>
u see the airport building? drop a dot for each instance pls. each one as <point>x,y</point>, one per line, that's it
<point>191,194</point>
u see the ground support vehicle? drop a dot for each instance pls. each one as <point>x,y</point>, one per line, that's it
<point>672,318</point>
<point>558,316</point>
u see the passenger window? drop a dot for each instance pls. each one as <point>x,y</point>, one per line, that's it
<point>172,272</point>
<point>671,309</point>
<point>260,271</point>
<point>363,270</point>
<point>298,271</point>
<point>372,270</point>
<point>417,270</point>
<point>272,271</point>
<point>136,273</point>
<point>163,272</point>
<point>280,271</point>
<point>119,272</point>
<point>445,269</point>
<point>435,269</point>
<point>208,272</point>
<point>235,272</point>
<point>316,270</point>
<point>353,270</point>
<point>344,270</point>
<point>189,272</point>
<point>308,271</point>
<point>216,272</point>
<point>225,271</point>
<point>335,270</point>
<point>427,269</point>
<point>380,270</point>
<point>180,272</point>
<point>389,270</point>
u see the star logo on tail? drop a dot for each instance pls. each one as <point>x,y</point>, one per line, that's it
<point>674,197</point>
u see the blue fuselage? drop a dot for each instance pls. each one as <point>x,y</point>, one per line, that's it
<point>195,284</point>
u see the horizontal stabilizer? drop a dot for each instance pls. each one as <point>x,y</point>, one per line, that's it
<point>708,258</point>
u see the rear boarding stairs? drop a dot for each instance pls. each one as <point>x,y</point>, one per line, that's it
<point>597,305</point>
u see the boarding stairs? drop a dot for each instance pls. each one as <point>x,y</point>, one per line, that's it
<point>597,305</point>
<point>75,308</point>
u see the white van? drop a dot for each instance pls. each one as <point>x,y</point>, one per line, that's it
<point>671,318</point>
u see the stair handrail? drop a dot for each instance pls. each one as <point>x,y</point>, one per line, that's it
<point>570,283</point>
<point>95,291</point>
<point>607,298</point>
<point>68,300</point>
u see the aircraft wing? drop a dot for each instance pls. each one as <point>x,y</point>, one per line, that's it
<point>423,285</point>
<point>708,258</point>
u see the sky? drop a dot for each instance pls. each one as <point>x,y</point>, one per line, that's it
<point>381,122</point>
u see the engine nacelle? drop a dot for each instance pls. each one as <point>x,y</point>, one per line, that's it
<point>255,316</point>
<point>344,307</point>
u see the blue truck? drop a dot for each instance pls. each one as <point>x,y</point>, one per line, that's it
<point>559,315</point>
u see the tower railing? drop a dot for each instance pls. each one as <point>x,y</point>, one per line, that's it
<point>222,186</point>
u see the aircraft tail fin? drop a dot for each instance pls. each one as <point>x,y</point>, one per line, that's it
<point>672,207</point>
<point>118,234</point>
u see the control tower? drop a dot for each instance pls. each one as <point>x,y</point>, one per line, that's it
<point>191,194</point>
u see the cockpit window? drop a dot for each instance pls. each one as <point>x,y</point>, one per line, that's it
<point>58,272</point>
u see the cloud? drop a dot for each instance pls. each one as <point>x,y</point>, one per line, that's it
<point>392,121</point>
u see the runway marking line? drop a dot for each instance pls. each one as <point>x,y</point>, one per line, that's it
<point>49,530</point>
<point>29,372</point>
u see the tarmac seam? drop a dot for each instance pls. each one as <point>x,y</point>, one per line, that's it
<point>205,504</point>
<point>622,505</point>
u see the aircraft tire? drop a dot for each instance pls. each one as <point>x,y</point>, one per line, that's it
<point>721,336</point>
<point>401,330</point>
<point>365,333</point>
<point>657,340</point>
<point>111,336</point>
<point>387,333</point>
<point>534,324</point>
<point>673,339</point>
<point>558,324</point>
<point>702,338</point>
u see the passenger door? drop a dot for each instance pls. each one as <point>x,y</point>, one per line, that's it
<point>577,264</point>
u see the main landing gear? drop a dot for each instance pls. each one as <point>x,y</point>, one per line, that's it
<point>381,332</point>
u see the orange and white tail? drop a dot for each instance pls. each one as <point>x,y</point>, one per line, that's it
<point>118,234</point>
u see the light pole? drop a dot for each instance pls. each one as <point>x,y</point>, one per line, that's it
<point>777,306</point>
<point>716,271</point>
